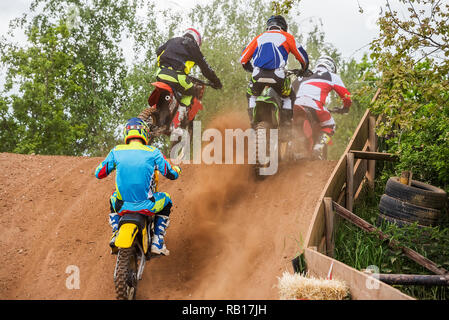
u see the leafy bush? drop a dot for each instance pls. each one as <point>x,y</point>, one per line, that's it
<point>410,56</point>
<point>361,250</point>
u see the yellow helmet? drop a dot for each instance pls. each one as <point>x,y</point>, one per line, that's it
<point>137,129</point>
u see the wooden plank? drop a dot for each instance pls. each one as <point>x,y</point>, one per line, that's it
<point>413,279</point>
<point>413,255</point>
<point>359,190</point>
<point>317,228</point>
<point>341,197</point>
<point>322,247</point>
<point>406,178</point>
<point>382,156</point>
<point>362,286</point>
<point>360,171</point>
<point>335,184</point>
<point>373,148</point>
<point>349,180</point>
<point>361,134</point>
<point>330,224</point>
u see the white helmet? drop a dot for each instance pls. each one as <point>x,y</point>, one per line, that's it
<point>328,63</point>
<point>194,34</point>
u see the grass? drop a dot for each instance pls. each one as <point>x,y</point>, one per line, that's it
<point>361,250</point>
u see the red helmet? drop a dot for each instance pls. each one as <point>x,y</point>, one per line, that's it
<point>194,34</point>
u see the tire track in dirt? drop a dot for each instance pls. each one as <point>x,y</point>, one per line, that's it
<point>230,236</point>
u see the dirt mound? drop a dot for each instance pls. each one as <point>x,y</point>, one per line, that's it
<point>230,236</point>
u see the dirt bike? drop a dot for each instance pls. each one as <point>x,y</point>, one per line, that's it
<point>306,132</point>
<point>133,242</point>
<point>267,114</point>
<point>166,114</point>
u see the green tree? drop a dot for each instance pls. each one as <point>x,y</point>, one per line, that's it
<point>411,54</point>
<point>47,78</point>
<point>70,77</point>
<point>282,7</point>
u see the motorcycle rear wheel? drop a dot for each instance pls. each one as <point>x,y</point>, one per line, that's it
<point>149,115</point>
<point>125,276</point>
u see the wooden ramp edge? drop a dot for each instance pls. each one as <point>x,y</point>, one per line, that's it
<point>362,286</point>
<point>361,170</point>
<point>333,188</point>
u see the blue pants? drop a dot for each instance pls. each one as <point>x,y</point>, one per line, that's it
<point>160,203</point>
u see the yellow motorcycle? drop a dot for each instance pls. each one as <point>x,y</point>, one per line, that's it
<point>133,244</point>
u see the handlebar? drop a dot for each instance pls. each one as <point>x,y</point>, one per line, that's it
<point>299,72</point>
<point>340,110</point>
<point>198,81</point>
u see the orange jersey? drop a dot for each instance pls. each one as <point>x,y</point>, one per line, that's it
<point>270,50</point>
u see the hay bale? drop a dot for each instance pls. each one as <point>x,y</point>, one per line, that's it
<point>303,287</point>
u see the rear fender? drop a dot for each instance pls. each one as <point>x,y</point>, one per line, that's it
<point>196,106</point>
<point>267,107</point>
<point>145,239</point>
<point>126,235</point>
<point>159,88</point>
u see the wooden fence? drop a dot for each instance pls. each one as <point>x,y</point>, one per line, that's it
<point>355,168</point>
<point>346,180</point>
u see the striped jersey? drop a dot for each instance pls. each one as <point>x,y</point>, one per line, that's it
<point>135,164</point>
<point>270,50</point>
<point>320,84</point>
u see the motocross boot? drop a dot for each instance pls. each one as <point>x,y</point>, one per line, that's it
<point>113,221</point>
<point>318,148</point>
<point>161,223</point>
<point>114,249</point>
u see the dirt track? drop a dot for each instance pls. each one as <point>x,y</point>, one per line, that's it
<point>230,237</point>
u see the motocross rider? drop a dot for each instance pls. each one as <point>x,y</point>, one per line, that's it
<point>313,92</point>
<point>136,163</point>
<point>176,58</point>
<point>269,54</point>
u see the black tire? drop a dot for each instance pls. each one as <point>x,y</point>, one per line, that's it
<point>125,276</point>
<point>400,223</point>
<point>398,209</point>
<point>150,116</point>
<point>419,193</point>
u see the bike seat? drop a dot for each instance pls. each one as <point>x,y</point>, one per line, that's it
<point>136,218</point>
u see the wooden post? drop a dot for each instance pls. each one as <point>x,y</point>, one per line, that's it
<point>413,255</point>
<point>411,279</point>
<point>406,177</point>
<point>318,266</point>
<point>368,155</point>
<point>372,148</point>
<point>349,181</point>
<point>329,215</point>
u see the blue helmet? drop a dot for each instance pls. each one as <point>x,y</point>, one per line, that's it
<point>136,128</point>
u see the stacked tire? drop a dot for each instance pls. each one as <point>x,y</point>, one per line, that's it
<point>404,205</point>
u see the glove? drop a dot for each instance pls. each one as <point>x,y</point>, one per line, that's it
<point>177,169</point>
<point>248,67</point>
<point>306,73</point>
<point>217,85</point>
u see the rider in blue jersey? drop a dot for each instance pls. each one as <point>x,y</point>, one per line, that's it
<point>136,162</point>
